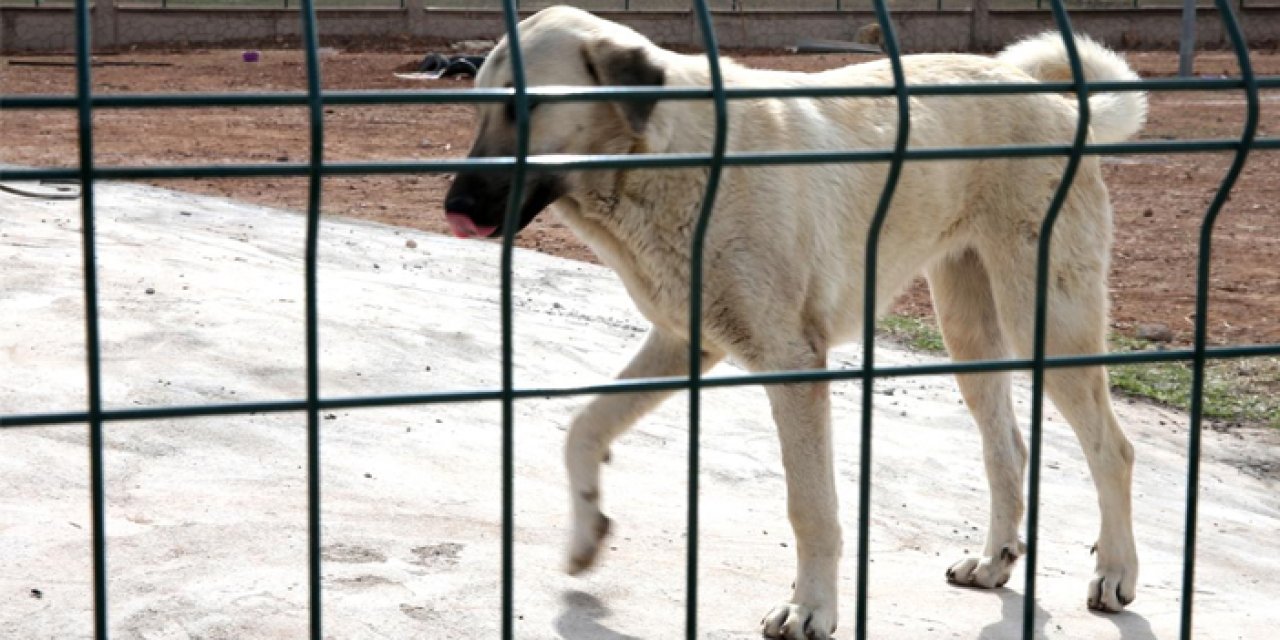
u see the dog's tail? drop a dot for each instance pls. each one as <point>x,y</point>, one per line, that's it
<point>1114,116</point>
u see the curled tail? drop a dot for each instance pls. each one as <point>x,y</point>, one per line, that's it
<point>1113,116</point>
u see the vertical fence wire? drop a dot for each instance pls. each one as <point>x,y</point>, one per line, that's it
<point>510,225</point>
<point>714,170</point>
<point>1060,195</point>
<point>315,112</point>
<point>872,249</point>
<point>1240,47</point>
<point>93,352</point>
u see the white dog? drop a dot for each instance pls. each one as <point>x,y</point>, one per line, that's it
<point>784,252</point>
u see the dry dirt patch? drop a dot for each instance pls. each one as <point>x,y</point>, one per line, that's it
<point>1159,199</point>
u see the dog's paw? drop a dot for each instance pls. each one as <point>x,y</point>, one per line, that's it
<point>1115,577</point>
<point>797,622</point>
<point>1112,590</point>
<point>585,546</point>
<point>985,573</point>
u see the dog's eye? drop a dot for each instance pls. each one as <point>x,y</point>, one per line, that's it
<point>511,110</point>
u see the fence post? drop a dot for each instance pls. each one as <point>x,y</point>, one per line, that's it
<point>1187,45</point>
<point>979,25</point>
<point>695,39</point>
<point>417,17</point>
<point>104,25</point>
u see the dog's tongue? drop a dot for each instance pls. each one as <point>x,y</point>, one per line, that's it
<point>464,227</point>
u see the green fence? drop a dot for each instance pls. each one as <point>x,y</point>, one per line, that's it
<point>84,102</point>
<point>655,5</point>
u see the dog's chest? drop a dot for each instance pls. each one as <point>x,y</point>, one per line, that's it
<point>652,265</point>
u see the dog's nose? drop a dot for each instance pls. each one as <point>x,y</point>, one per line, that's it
<point>460,204</point>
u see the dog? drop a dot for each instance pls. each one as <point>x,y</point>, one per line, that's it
<point>784,250</point>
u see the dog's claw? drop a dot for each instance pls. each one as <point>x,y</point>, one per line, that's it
<point>1095,595</point>
<point>1109,593</point>
<point>584,552</point>
<point>985,573</point>
<point>784,623</point>
<point>1115,580</point>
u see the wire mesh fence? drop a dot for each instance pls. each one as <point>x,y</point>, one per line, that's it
<point>656,5</point>
<point>522,98</point>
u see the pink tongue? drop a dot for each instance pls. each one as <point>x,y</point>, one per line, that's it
<point>464,227</point>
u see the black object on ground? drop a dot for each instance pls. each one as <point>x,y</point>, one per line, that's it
<point>443,65</point>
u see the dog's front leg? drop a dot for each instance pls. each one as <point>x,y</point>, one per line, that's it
<point>803,416</point>
<point>603,420</point>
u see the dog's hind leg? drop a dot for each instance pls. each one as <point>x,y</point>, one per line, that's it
<point>803,416</point>
<point>1083,397</point>
<point>605,418</point>
<point>1077,325</point>
<point>966,311</point>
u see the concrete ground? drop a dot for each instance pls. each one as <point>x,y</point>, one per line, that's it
<point>202,301</point>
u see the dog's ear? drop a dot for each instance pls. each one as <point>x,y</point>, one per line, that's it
<point>612,64</point>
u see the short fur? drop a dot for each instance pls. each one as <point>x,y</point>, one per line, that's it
<point>784,273</point>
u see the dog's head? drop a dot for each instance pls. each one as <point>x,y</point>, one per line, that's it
<point>561,47</point>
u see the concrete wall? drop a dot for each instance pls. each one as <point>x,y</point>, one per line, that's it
<point>1141,28</point>
<point>917,30</point>
<point>36,29</point>
<point>664,27</point>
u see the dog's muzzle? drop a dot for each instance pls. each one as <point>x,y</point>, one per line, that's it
<point>476,204</point>
<point>463,227</point>
<point>458,212</point>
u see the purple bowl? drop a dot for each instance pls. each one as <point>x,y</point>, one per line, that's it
<point>251,56</point>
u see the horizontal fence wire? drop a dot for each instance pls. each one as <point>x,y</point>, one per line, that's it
<point>523,97</point>
<point>642,6</point>
<point>646,161</point>
<point>599,94</point>
<point>632,385</point>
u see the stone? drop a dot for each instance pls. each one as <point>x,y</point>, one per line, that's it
<point>1154,332</point>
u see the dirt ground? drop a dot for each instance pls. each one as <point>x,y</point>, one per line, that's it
<point>1160,200</point>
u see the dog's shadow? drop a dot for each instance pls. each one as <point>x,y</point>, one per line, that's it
<point>581,613</point>
<point>580,617</point>
<point>1132,626</point>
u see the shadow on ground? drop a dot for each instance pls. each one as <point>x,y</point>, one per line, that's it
<point>580,618</point>
<point>1131,626</point>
